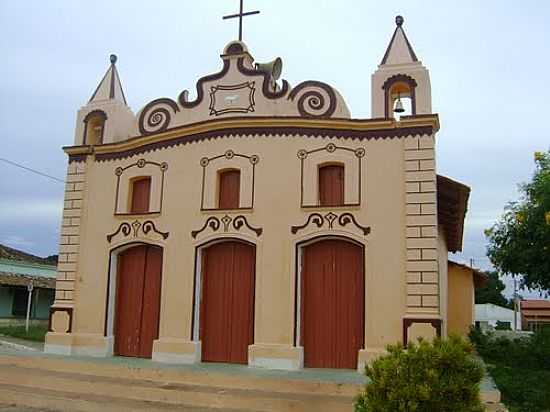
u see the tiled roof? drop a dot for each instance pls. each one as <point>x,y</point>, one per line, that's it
<point>452,203</point>
<point>535,304</point>
<point>15,279</point>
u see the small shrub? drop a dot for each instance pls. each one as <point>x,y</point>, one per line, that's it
<point>440,376</point>
<point>503,325</point>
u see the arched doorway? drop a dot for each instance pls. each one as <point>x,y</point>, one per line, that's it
<point>332,297</point>
<point>227,301</point>
<point>139,274</point>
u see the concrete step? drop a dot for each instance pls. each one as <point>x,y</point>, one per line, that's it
<point>53,383</point>
<point>61,390</point>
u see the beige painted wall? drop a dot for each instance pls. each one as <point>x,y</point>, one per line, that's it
<point>277,184</point>
<point>460,314</point>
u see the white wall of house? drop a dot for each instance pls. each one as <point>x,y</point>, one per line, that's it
<point>487,314</point>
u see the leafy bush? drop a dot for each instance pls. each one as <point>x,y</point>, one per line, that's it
<point>531,352</point>
<point>503,325</point>
<point>440,376</point>
<point>520,368</point>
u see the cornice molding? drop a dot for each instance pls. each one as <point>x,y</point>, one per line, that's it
<point>357,129</point>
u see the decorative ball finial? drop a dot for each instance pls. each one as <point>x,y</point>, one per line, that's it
<point>399,20</point>
<point>113,58</point>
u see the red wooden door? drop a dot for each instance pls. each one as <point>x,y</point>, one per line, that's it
<point>230,187</point>
<point>141,193</point>
<point>227,303</point>
<point>138,301</point>
<point>332,304</point>
<point>331,185</point>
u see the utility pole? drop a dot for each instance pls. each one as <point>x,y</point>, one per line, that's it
<point>515,305</point>
<point>30,287</point>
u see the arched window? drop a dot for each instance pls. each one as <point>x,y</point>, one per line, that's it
<point>331,185</point>
<point>140,195</point>
<point>399,93</point>
<point>229,189</point>
<point>94,127</point>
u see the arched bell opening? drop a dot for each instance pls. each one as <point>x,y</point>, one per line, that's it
<point>400,96</point>
<point>94,127</point>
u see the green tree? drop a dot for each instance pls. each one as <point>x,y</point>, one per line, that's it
<point>491,292</point>
<point>519,243</point>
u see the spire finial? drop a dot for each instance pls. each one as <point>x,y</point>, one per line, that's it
<point>113,58</point>
<point>399,20</point>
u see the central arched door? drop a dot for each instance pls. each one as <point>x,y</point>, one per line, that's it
<point>139,275</point>
<point>227,301</point>
<point>332,304</point>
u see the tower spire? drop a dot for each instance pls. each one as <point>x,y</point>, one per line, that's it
<point>399,50</point>
<point>110,87</point>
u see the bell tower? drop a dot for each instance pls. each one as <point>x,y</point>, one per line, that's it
<point>106,118</point>
<point>400,76</point>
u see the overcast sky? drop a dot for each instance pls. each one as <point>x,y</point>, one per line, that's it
<point>488,62</point>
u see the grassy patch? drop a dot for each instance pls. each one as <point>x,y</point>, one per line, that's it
<point>36,333</point>
<point>520,368</point>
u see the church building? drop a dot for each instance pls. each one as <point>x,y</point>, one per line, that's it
<point>257,222</point>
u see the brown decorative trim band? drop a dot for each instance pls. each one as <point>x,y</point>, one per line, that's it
<point>271,131</point>
<point>182,98</point>
<point>69,313</point>
<point>77,158</point>
<point>237,222</point>
<point>319,220</point>
<point>126,228</point>
<point>407,322</point>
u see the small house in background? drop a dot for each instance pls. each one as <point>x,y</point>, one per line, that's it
<point>535,314</point>
<point>17,271</point>
<point>489,314</point>
<point>462,281</point>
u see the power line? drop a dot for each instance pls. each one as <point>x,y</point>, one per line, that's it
<point>31,170</point>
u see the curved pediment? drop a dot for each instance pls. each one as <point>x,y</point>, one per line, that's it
<point>242,89</point>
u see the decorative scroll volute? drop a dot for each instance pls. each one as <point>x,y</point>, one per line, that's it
<point>329,221</point>
<point>157,116</point>
<point>227,224</point>
<point>137,229</point>
<point>314,99</point>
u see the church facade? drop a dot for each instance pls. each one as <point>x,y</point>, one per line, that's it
<point>256,223</point>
